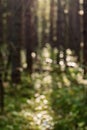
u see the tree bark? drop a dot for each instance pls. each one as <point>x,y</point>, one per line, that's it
<point>61,30</point>
<point>14,37</point>
<point>30,33</point>
<point>52,22</point>
<point>85,35</point>
<point>74,26</point>
<point>1,60</point>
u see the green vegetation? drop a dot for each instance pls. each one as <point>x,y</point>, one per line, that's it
<point>43,65</point>
<point>50,99</point>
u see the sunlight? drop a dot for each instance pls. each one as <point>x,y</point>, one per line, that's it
<point>72,64</point>
<point>81,12</point>
<point>66,11</point>
<point>47,79</point>
<point>81,1</point>
<point>49,60</point>
<point>68,51</point>
<point>33,54</point>
<point>43,65</point>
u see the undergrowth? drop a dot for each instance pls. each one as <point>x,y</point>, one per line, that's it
<point>53,98</point>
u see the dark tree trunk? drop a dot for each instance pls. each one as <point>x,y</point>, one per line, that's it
<point>1,61</point>
<point>14,37</point>
<point>45,28</point>
<point>1,86</point>
<point>30,33</point>
<point>52,22</point>
<point>1,23</point>
<point>85,35</point>
<point>43,33</point>
<point>60,25</point>
<point>61,29</point>
<point>74,26</point>
<point>23,23</point>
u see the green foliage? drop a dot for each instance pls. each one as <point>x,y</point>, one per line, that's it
<point>69,106</point>
<point>53,98</point>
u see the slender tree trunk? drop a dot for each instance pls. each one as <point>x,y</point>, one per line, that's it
<point>1,24</point>
<point>61,29</point>
<point>15,38</point>
<point>23,23</point>
<point>74,26</point>
<point>52,22</point>
<point>85,35</point>
<point>1,86</point>
<point>30,33</point>
<point>45,28</point>
<point>60,24</point>
<point>1,61</point>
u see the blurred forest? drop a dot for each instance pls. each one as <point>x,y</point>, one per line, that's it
<point>43,64</point>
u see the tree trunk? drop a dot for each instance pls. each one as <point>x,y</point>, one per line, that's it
<point>52,22</point>
<point>14,37</point>
<point>85,35</point>
<point>60,24</point>
<point>30,33</point>
<point>1,61</point>
<point>1,86</point>
<point>1,24</point>
<point>74,26</point>
<point>61,30</point>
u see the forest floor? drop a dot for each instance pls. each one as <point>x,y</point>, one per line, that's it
<point>44,101</point>
<point>47,100</point>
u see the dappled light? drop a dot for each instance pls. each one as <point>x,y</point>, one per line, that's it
<point>43,65</point>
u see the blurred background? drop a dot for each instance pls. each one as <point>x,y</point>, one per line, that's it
<point>43,64</point>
